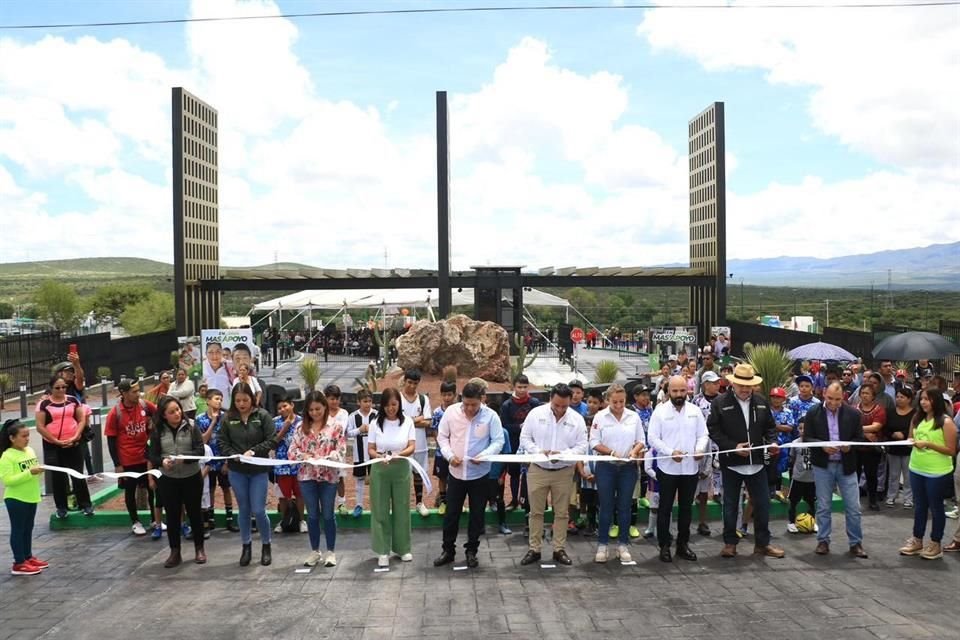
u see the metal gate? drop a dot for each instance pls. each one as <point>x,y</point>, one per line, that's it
<point>29,358</point>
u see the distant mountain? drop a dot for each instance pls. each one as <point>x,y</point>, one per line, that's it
<point>934,267</point>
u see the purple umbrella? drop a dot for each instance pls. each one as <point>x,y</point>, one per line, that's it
<point>822,351</point>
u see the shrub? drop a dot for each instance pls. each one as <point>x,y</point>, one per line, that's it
<point>606,371</point>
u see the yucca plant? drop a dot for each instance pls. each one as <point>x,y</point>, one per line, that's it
<point>606,372</point>
<point>770,362</point>
<point>310,372</point>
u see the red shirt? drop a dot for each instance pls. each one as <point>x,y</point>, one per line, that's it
<point>131,428</point>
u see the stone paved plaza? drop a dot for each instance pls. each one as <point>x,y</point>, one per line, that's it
<point>104,583</point>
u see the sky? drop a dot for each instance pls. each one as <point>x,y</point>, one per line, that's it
<point>568,130</point>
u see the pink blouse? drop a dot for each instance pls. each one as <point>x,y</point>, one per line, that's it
<point>330,443</point>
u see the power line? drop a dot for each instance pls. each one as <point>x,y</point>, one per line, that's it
<point>500,9</point>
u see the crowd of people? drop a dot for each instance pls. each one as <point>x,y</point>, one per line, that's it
<point>699,432</point>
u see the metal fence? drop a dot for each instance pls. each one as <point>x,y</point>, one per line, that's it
<point>950,329</point>
<point>29,358</point>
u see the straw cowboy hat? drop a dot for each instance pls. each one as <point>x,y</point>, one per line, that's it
<point>744,374</point>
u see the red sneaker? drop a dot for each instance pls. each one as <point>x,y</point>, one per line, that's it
<point>24,569</point>
<point>37,562</point>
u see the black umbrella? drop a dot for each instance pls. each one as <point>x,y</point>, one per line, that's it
<point>915,345</point>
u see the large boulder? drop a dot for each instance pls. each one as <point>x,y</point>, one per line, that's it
<point>475,348</point>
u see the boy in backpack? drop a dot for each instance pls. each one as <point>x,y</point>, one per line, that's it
<point>209,424</point>
<point>127,429</point>
<point>441,468</point>
<point>285,476</point>
<point>358,426</point>
<point>338,416</point>
<point>416,406</point>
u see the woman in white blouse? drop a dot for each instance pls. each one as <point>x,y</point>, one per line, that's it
<point>245,374</point>
<point>392,436</point>
<point>616,431</point>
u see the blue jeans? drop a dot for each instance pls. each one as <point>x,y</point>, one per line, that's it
<point>826,479</point>
<point>615,483</point>
<point>319,498</point>
<point>22,515</point>
<point>928,494</point>
<point>251,492</point>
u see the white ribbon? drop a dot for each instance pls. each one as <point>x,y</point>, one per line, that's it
<point>531,458</point>
<point>260,462</point>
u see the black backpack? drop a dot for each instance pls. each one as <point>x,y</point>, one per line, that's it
<point>290,521</point>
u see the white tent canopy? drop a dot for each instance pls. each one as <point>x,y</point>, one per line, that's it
<point>372,298</point>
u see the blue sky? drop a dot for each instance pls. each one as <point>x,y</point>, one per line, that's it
<point>797,155</point>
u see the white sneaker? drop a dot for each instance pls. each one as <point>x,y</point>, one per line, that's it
<point>383,561</point>
<point>624,552</point>
<point>138,529</point>
<point>163,526</point>
<point>890,502</point>
<point>303,526</point>
<point>312,559</point>
<point>278,528</point>
<point>601,554</point>
<point>953,514</point>
<point>407,557</point>
<point>422,509</point>
<point>792,528</point>
<point>816,529</point>
<point>331,560</point>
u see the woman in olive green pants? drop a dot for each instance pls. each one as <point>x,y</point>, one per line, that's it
<point>392,436</point>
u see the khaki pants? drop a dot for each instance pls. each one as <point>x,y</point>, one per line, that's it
<point>556,482</point>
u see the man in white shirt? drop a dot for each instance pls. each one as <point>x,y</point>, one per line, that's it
<point>468,431</point>
<point>553,428</point>
<point>677,427</point>
<point>416,406</point>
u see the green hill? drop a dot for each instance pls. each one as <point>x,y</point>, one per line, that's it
<point>86,267</point>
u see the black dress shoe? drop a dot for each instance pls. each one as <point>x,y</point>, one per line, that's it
<point>531,557</point>
<point>472,561</point>
<point>444,558</point>
<point>685,552</point>
<point>562,557</point>
<point>245,555</point>
<point>665,554</point>
<point>265,556</point>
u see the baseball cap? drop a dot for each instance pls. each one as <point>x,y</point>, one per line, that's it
<point>63,366</point>
<point>127,385</point>
<point>709,376</point>
<point>575,383</point>
<point>641,388</point>
<point>804,378</point>
<point>901,373</point>
<point>778,392</point>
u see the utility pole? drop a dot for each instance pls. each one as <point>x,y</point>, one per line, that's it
<point>871,303</point>
<point>828,313</point>
<point>889,288</point>
<point>743,318</point>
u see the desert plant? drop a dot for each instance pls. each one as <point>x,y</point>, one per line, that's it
<point>175,358</point>
<point>104,373</point>
<point>140,372</point>
<point>747,348</point>
<point>772,363</point>
<point>4,383</point>
<point>606,372</point>
<point>521,362</point>
<point>310,372</point>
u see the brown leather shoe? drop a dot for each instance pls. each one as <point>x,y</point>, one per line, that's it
<point>729,551</point>
<point>770,551</point>
<point>857,551</point>
<point>201,557</point>
<point>173,560</point>
<point>823,548</point>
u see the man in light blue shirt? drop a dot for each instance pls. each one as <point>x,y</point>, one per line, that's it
<point>468,431</point>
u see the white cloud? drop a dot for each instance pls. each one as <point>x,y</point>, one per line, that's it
<point>546,168</point>
<point>884,81</point>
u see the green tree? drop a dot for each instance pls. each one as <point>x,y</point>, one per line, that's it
<point>581,298</point>
<point>6,310</point>
<point>153,313</point>
<point>111,300</point>
<point>59,305</point>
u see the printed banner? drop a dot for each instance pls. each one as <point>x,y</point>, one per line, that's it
<point>223,351</point>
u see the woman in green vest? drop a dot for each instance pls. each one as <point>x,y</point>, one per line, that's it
<point>934,437</point>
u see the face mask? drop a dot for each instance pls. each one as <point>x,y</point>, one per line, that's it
<point>678,401</point>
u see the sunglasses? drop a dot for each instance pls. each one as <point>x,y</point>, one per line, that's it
<point>59,387</point>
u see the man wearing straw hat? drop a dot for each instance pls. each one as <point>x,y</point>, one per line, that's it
<point>741,420</point>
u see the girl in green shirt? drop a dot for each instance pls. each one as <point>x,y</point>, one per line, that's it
<point>934,437</point>
<point>20,473</point>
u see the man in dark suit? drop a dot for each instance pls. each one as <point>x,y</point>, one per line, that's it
<point>741,419</point>
<point>835,421</point>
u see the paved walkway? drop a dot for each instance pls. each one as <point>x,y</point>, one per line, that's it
<point>107,584</point>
